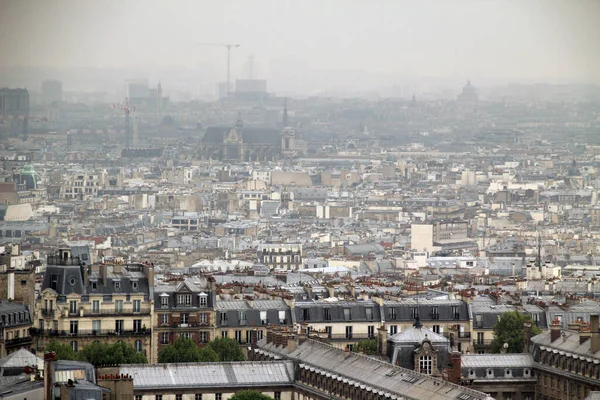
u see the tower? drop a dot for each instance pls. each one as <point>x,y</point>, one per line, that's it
<point>285,113</point>
<point>159,97</point>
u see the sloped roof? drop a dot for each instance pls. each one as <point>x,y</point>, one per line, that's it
<point>20,359</point>
<point>193,375</point>
<point>417,335</point>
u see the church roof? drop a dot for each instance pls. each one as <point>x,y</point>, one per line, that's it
<point>214,134</point>
<point>417,335</point>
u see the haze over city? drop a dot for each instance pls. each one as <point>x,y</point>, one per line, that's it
<point>490,42</point>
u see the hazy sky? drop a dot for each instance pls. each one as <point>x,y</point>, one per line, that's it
<point>543,39</point>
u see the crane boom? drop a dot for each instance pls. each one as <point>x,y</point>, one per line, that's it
<point>228,46</point>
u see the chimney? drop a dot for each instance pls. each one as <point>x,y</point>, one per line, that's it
<point>302,335</point>
<point>584,334</point>
<point>526,336</point>
<point>49,359</point>
<point>270,336</point>
<point>291,343</point>
<point>454,373</point>
<point>104,274</point>
<point>253,338</point>
<point>382,341</point>
<point>594,330</point>
<point>555,330</point>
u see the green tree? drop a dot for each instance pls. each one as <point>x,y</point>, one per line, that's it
<point>100,353</point>
<point>250,395</point>
<point>509,329</point>
<point>63,351</point>
<point>183,350</point>
<point>369,346</point>
<point>227,349</point>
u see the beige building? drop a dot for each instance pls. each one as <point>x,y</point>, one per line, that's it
<point>80,304</point>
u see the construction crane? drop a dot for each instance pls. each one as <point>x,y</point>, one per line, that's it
<point>228,47</point>
<point>128,109</point>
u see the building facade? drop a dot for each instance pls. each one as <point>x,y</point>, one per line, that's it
<point>184,309</point>
<point>80,304</point>
<point>15,324</point>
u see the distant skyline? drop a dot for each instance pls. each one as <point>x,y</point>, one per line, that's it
<point>499,40</point>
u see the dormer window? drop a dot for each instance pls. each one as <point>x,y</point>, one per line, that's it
<point>490,373</point>
<point>471,373</point>
<point>117,285</point>
<point>184,300</point>
<point>164,300</point>
<point>526,373</point>
<point>94,285</point>
<point>134,285</point>
<point>203,299</point>
<point>507,373</point>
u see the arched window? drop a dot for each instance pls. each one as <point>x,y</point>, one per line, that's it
<point>507,373</point>
<point>526,373</point>
<point>490,373</point>
<point>74,345</point>
<point>471,373</point>
<point>138,346</point>
<point>425,366</point>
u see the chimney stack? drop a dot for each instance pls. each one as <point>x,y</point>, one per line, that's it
<point>382,341</point>
<point>526,336</point>
<point>270,336</point>
<point>594,329</point>
<point>555,330</point>
<point>454,374</point>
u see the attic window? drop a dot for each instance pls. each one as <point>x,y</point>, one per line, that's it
<point>471,373</point>
<point>526,373</point>
<point>72,281</point>
<point>507,373</point>
<point>94,285</point>
<point>117,285</point>
<point>490,373</point>
<point>134,285</point>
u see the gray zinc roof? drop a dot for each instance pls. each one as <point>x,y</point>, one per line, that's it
<point>496,361</point>
<point>192,375</point>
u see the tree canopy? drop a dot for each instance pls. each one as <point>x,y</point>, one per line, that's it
<point>250,395</point>
<point>227,349</point>
<point>98,353</point>
<point>101,353</point>
<point>369,346</point>
<point>63,351</point>
<point>185,350</point>
<point>509,329</point>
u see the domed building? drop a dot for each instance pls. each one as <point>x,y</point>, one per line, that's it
<point>469,94</point>
<point>419,349</point>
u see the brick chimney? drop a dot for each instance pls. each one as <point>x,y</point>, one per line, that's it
<point>555,330</point>
<point>270,336</point>
<point>253,338</point>
<point>594,329</point>
<point>454,373</point>
<point>526,336</point>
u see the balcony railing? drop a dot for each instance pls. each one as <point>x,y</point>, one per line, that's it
<point>482,342</point>
<point>123,312</point>
<point>101,332</point>
<point>46,312</point>
<point>18,341</point>
<point>347,336</point>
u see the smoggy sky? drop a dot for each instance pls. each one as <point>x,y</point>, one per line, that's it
<point>542,39</point>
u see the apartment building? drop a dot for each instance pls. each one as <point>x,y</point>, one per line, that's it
<point>280,256</point>
<point>237,318</point>
<point>185,308</point>
<point>80,304</point>
<point>82,185</point>
<point>15,321</point>
<point>341,323</point>
<point>449,318</point>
